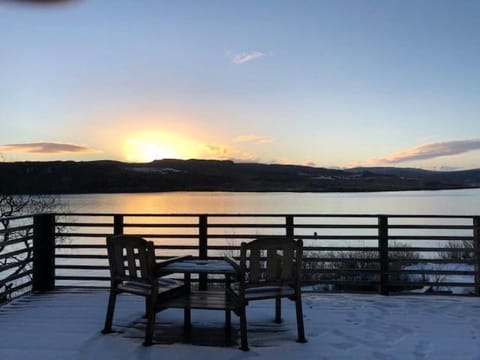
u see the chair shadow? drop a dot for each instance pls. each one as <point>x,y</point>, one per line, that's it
<point>169,333</point>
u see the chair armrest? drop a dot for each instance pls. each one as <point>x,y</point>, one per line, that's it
<point>233,263</point>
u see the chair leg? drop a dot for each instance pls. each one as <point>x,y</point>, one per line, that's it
<point>109,317</point>
<point>300,328</point>
<point>151,313</point>
<point>228,326</point>
<point>278,310</point>
<point>243,329</point>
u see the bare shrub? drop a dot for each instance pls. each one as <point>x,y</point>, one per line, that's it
<point>15,205</point>
<point>356,270</point>
<point>454,251</point>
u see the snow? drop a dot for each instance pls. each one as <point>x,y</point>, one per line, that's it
<point>468,280</point>
<point>66,325</point>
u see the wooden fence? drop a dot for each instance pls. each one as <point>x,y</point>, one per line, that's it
<point>343,252</point>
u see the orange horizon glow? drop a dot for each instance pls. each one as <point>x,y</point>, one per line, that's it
<point>150,146</point>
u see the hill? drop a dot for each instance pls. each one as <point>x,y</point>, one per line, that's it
<point>67,177</point>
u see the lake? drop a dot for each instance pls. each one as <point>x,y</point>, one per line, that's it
<point>315,234</point>
<point>448,202</point>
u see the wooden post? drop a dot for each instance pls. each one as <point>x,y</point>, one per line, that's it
<point>289,226</point>
<point>383,253</point>
<point>476,254</point>
<point>203,247</point>
<point>117,224</point>
<point>43,252</point>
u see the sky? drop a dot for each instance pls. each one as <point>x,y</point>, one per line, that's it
<point>321,83</point>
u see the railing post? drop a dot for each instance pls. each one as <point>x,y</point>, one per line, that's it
<point>476,254</point>
<point>43,278</point>
<point>383,253</point>
<point>289,226</point>
<point>203,247</point>
<point>117,224</point>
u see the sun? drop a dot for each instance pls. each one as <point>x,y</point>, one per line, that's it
<point>146,151</point>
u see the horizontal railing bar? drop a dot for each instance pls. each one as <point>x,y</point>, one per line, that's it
<point>168,236</point>
<point>341,271</point>
<point>300,215</point>
<point>227,226</point>
<point>334,226</point>
<point>92,235</point>
<point>429,249</point>
<point>82,278</point>
<point>340,259</point>
<point>157,236</point>
<point>81,246</point>
<point>82,267</point>
<point>443,249</point>
<point>429,237</point>
<point>80,256</point>
<point>177,247</point>
<point>220,215</point>
<point>160,225</point>
<point>313,237</point>
<point>427,261</point>
<point>252,236</point>
<point>439,227</point>
<point>342,282</point>
<point>433,272</point>
<point>431,283</point>
<point>340,248</point>
<point>81,224</point>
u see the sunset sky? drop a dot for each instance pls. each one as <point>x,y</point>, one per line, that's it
<point>323,83</point>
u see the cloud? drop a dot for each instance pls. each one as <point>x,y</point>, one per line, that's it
<point>215,151</point>
<point>45,148</point>
<point>245,57</point>
<point>429,151</point>
<point>258,139</point>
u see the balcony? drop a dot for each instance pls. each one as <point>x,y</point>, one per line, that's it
<point>54,275</point>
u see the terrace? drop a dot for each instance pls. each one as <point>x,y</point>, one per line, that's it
<point>54,276</point>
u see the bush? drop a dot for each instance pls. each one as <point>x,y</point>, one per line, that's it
<point>357,270</point>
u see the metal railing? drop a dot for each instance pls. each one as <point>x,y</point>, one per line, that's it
<point>342,252</point>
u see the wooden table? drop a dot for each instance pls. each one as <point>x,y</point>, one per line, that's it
<point>201,299</point>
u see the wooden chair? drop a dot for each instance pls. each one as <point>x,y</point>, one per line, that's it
<point>132,269</point>
<point>270,268</point>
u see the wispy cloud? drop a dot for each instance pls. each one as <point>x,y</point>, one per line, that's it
<point>429,151</point>
<point>45,148</point>
<point>253,138</point>
<point>245,57</point>
<point>215,151</point>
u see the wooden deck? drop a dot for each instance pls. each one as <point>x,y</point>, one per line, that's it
<point>66,324</point>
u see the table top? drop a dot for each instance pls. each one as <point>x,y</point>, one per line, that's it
<point>198,266</point>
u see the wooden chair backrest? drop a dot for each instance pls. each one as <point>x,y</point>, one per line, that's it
<point>131,258</point>
<point>272,260</point>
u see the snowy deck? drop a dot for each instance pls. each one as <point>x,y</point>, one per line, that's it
<point>67,324</point>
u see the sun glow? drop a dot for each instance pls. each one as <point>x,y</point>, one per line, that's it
<point>146,151</point>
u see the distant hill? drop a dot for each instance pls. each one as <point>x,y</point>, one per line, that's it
<point>67,177</point>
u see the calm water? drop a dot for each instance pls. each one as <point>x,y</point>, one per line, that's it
<point>450,202</point>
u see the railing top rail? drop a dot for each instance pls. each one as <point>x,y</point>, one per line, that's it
<point>299,215</point>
